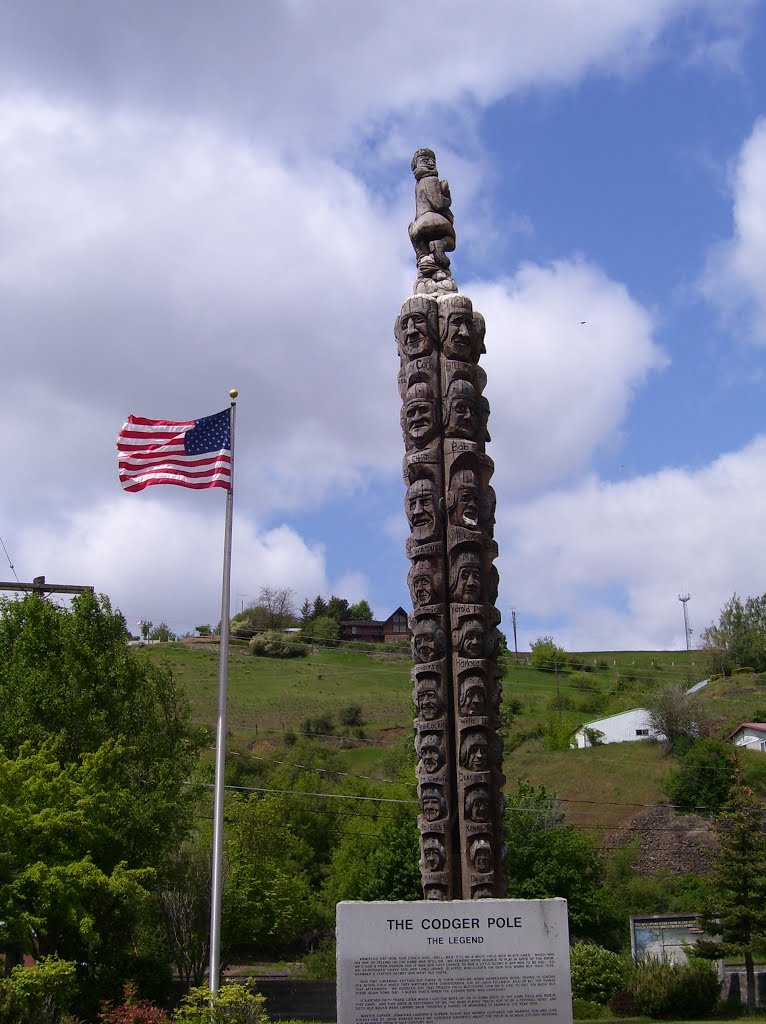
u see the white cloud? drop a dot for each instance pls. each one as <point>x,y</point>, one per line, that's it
<point>559,389</point>
<point>162,559</point>
<point>319,74</point>
<point>608,561</point>
<point>734,277</point>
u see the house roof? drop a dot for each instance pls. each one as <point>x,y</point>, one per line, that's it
<point>748,725</point>
<point>608,718</point>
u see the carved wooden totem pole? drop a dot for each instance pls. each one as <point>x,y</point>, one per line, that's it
<point>450,507</point>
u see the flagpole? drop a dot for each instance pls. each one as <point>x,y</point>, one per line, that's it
<point>220,735</point>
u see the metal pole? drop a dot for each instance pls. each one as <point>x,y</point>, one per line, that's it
<point>515,642</point>
<point>220,735</point>
<point>683,599</point>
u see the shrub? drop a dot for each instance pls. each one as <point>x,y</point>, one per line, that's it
<point>704,776</point>
<point>232,1004</point>
<point>351,716</point>
<point>682,991</point>
<point>132,1011</point>
<point>320,725</point>
<point>277,645</point>
<point>623,1003</point>
<point>583,681</point>
<point>584,1009</point>
<point>320,963</point>
<point>39,994</point>
<point>597,973</point>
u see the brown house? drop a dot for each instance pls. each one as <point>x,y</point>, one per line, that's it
<point>376,631</point>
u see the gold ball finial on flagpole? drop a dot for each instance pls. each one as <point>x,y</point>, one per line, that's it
<point>233,393</point>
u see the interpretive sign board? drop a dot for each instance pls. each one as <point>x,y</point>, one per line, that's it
<point>455,961</point>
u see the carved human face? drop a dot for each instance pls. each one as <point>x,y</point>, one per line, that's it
<point>413,331</point>
<point>466,509</point>
<point>435,892</point>
<point>472,696</point>
<point>420,420</point>
<point>433,857</point>
<point>428,641</point>
<point>459,340</point>
<point>423,587</point>
<point>432,804</point>
<point>477,805</point>
<point>428,703</point>
<point>468,582</point>
<point>477,759</point>
<point>421,506</point>
<point>424,164</point>
<point>473,640</point>
<point>462,417</point>
<point>482,858</point>
<point>431,752</point>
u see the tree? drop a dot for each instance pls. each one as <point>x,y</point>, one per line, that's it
<point>738,640</point>
<point>547,858</point>
<point>546,656</point>
<point>320,607</point>
<point>306,612</point>
<point>738,911</point>
<point>163,633</point>
<point>360,612</point>
<point>146,626</point>
<point>278,604</point>
<point>704,776</point>
<point>183,910</point>
<point>322,630</point>
<point>97,739</point>
<point>675,714</point>
<point>337,608</point>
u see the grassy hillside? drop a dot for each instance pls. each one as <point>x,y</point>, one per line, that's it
<point>600,788</point>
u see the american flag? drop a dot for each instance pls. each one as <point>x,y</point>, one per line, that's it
<point>193,453</point>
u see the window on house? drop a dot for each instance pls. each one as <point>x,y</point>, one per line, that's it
<point>642,732</point>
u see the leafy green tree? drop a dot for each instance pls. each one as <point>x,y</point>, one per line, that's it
<point>676,714</point>
<point>597,973</point>
<point>267,900</point>
<point>337,608</point>
<point>39,994</point>
<point>320,607</point>
<point>182,908</point>
<point>65,890</point>
<point>322,630</point>
<point>360,612</point>
<point>163,633</point>
<point>546,656</point>
<point>306,612</point>
<point>739,637</point>
<point>703,777</point>
<point>547,858</point>
<point>738,910</point>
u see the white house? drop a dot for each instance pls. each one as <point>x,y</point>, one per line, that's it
<point>751,735</point>
<point>626,727</point>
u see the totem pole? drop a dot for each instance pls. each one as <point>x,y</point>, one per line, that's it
<point>450,507</point>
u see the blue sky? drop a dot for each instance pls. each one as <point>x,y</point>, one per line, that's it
<point>200,197</point>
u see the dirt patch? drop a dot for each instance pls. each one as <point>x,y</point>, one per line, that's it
<point>677,843</point>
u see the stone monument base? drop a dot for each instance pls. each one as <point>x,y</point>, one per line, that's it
<point>456,961</point>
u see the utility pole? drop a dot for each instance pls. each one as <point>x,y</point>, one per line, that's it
<point>39,586</point>
<point>683,598</point>
<point>515,642</point>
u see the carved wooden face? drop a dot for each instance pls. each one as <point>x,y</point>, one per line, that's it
<point>420,421</point>
<point>428,641</point>
<point>422,509</point>
<point>460,336</point>
<point>434,856</point>
<point>481,856</point>
<point>474,751</point>
<point>429,703</point>
<point>432,804</point>
<point>472,698</point>
<point>413,334</point>
<point>425,584</point>
<point>477,805</point>
<point>462,416</point>
<point>431,752</point>
<point>465,510</point>
<point>467,581</point>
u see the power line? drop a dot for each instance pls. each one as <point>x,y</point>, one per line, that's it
<point>5,549</point>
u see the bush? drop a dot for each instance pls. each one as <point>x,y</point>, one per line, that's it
<point>704,776</point>
<point>623,1003</point>
<point>133,1011</point>
<point>320,963</point>
<point>583,681</point>
<point>584,1009</point>
<point>39,994</point>
<point>352,716</point>
<point>320,725</point>
<point>232,1004</point>
<point>597,973</point>
<point>682,991</point>
<point>277,645</point>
